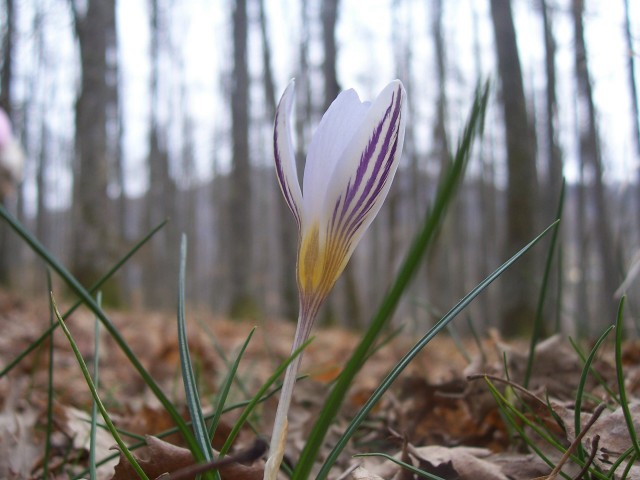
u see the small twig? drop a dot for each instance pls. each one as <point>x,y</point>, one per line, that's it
<point>253,453</point>
<point>520,388</point>
<point>594,450</point>
<point>596,414</point>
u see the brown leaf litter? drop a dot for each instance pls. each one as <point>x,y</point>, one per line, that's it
<point>435,417</point>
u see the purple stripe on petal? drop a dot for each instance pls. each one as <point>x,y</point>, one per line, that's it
<point>352,216</point>
<point>366,159</point>
<point>282,179</point>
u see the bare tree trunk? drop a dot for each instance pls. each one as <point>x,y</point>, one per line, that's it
<point>633,91</point>
<point>287,288</point>
<point>95,238</point>
<point>519,292</point>
<point>6,77</point>
<point>329,15</point>
<point>554,153</point>
<point>161,265</point>
<point>242,301</point>
<point>591,158</point>
<point>446,264</point>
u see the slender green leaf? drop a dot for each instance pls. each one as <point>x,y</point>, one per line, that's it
<point>508,412</point>
<point>226,386</point>
<point>409,356</point>
<point>581,384</point>
<point>628,453</point>
<point>624,404</point>
<point>188,377</point>
<point>39,249</point>
<point>404,465</point>
<point>170,431</point>
<point>423,239</point>
<point>49,427</point>
<point>94,407</point>
<point>103,411</point>
<point>601,381</point>
<point>259,396</point>
<point>537,324</point>
<point>88,300</point>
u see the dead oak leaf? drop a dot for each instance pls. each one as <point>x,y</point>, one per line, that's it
<point>466,462</point>
<point>164,458</point>
<point>613,433</point>
<point>360,473</point>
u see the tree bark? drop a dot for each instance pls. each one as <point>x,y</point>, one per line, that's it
<point>519,294</point>
<point>242,296</point>
<point>6,76</point>
<point>95,238</point>
<point>329,14</point>
<point>633,93</point>
<point>161,265</point>
<point>554,153</point>
<point>591,159</point>
<point>633,87</point>
<point>446,263</point>
<point>287,288</point>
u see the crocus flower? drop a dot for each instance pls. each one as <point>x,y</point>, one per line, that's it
<point>351,162</point>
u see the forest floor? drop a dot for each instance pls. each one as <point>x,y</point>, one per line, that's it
<point>435,417</point>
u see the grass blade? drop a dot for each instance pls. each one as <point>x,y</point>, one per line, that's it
<point>425,236</point>
<point>537,324</point>
<point>580,390</point>
<point>188,377</point>
<point>39,249</point>
<point>88,300</point>
<point>624,403</point>
<point>408,357</point>
<point>594,372</point>
<point>87,376</point>
<point>94,407</point>
<point>49,426</point>
<point>402,464</point>
<point>258,397</point>
<point>226,386</point>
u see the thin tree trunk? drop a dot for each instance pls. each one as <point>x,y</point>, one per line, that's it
<point>161,197</point>
<point>95,241</point>
<point>591,157</point>
<point>6,80</point>
<point>633,92</point>
<point>242,301</point>
<point>633,87</point>
<point>329,16</point>
<point>446,260</point>
<point>519,293</point>
<point>554,153</point>
<point>287,288</point>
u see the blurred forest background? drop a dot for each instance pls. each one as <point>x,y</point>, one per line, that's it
<point>134,111</point>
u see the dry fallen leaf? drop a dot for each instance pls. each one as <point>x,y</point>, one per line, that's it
<point>361,474</point>
<point>468,463</point>
<point>164,458</point>
<point>19,450</point>
<point>614,438</point>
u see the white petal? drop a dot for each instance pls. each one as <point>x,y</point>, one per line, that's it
<point>285,154</point>
<point>334,133</point>
<point>363,175</point>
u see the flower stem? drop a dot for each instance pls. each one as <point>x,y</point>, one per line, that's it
<point>281,424</point>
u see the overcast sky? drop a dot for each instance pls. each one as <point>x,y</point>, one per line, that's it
<point>200,34</point>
